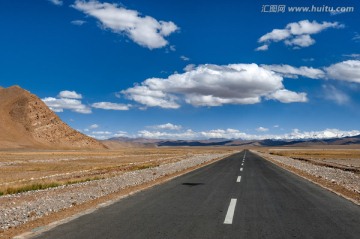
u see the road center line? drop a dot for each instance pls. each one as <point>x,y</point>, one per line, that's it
<point>241,169</point>
<point>238,179</point>
<point>230,212</point>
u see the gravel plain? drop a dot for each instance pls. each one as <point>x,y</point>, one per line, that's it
<point>21,208</point>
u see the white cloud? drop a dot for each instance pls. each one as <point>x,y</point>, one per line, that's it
<point>120,134</point>
<point>144,30</point>
<point>69,94</point>
<point>189,67</point>
<point>325,134</point>
<point>68,100</point>
<point>276,35</point>
<point>296,34</point>
<point>293,72</point>
<point>78,22</point>
<point>221,133</point>
<point>151,97</point>
<point>189,134</point>
<point>262,129</point>
<point>101,132</point>
<point>110,106</point>
<point>184,58</point>
<point>213,85</point>
<point>172,48</point>
<point>57,2</point>
<point>336,95</point>
<point>237,134</point>
<point>286,96</point>
<point>167,126</point>
<point>300,41</point>
<point>262,48</point>
<point>104,135</point>
<point>94,126</point>
<point>346,71</point>
<point>58,105</point>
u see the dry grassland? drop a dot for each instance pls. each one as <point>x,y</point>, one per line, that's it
<point>31,170</point>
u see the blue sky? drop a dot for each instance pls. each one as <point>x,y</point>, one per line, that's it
<point>187,69</point>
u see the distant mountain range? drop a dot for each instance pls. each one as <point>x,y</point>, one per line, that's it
<point>354,140</point>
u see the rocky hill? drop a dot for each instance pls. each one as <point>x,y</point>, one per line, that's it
<point>26,122</point>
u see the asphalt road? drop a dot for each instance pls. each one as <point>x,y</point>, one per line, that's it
<point>214,202</point>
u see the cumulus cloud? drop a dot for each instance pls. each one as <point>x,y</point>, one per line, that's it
<point>237,134</point>
<point>286,96</point>
<point>336,95</point>
<point>300,41</point>
<point>212,85</point>
<point>167,126</point>
<point>69,100</point>
<point>143,30</point>
<point>59,105</point>
<point>69,94</point>
<point>346,71</point>
<point>57,2</point>
<point>110,106</point>
<point>296,34</point>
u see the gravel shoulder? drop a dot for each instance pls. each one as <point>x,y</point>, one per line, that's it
<point>342,182</point>
<point>24,211</point>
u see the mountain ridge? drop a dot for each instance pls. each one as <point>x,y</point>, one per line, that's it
<point>348,140</point>
<point>26,122</point>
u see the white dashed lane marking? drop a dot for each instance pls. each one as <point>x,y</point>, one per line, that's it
<point>241,169</point>
<point>230,212</point>
<point>238,179</point>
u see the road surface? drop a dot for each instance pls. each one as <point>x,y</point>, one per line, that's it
<point>242,196</point>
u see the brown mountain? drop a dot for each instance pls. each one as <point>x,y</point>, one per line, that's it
<point>26,122</point>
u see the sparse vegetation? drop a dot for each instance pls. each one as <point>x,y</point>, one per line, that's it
<point>35,186</point>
